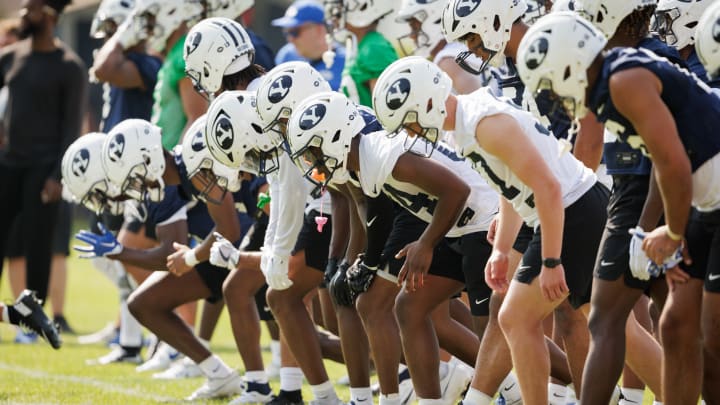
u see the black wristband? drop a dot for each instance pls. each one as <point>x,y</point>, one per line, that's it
<point>551,262</point>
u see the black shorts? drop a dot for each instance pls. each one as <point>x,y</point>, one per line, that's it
<point>407,228</point>
<point>213,277</point>
<point>523,238</point>
<point>315,244</point>
<point>61,234</point>
<point>584,223</point>
<point>703,241</point>
<point>624,208</point>
<point>475,251</point>
<point>256,235</point>
<point>261,304</point>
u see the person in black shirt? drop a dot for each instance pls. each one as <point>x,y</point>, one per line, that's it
<point>46,84</point>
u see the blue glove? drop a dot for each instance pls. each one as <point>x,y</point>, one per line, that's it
<point>102,245</point>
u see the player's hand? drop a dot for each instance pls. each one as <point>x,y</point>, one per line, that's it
<point>176,263</point>
<point>552,283</point>
<point>360,277</point>
<point>418,257</point>
<point>277,273</point>
<point>103,245</point>
<point>658,245</point>
<point>674,276</point>
<point>496,270</point>
<point>223,253</point>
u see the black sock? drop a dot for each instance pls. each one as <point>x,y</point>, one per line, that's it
<point>14,316</point>
<point>131,350</point>
<point>292,396</point>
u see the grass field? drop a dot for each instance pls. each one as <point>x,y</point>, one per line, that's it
<point>37,374</point>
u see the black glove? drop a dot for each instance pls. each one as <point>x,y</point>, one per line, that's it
<point>339,289</point>
<point>330,270</point>
<point>359,277</point>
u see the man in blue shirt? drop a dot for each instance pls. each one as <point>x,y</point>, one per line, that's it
<point>304,28</point>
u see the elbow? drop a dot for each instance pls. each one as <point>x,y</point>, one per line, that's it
<point>102,71</point>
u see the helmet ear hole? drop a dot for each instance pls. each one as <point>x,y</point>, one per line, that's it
<point>336,137</point>
<point>566,75</point>
<point>496,23</point>
<point>429,106</point>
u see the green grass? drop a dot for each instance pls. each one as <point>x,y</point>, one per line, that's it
<point>37,374</point>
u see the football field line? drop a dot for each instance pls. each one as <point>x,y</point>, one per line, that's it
<point>87,381</point>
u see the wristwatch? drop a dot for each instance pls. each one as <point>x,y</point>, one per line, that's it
<point>551,262</point>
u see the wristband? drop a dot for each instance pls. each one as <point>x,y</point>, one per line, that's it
<point>190,258</point>
<point>672,235</point>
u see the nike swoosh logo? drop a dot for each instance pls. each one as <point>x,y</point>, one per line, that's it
<point>478,302</point>
<point>509,388</point>
<point>603,263</point>
<point>555,394</point>
<point>714,277</point>
<point>224,257</point>
<point>370,222</point>
<point>362,399</point>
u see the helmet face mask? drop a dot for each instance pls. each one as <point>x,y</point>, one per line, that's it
<point>707,40</point>
<point>317,167</point>
<point>676,21</point>
<point>425,20</point>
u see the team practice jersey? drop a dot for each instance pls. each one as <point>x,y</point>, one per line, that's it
<point>378,156</point>
<point>574,178</point>
<point>374,54</point>
<point>693,105</point>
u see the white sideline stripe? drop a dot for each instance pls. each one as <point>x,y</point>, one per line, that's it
<point>32,373</point>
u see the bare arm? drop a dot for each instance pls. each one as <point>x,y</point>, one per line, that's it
<point>653,207</point>
<point>156,258</point>
<point>194,105</point>
<point>463,82</point>
<point>589,142</point>
<point>112,66</point>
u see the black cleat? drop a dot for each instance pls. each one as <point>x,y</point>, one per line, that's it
<point>32,317</point>
<point>63,325</point>
<point>287,398</point>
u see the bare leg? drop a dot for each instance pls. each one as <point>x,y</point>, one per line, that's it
<point>571,324</point>
<point>209,316</point>
<point>711,340</point>
<point>58,283</point>
<point>17,275</point>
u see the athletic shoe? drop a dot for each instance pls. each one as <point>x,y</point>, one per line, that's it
<point>254,393</point>
<point>616,395</point>
<point>104,335</point>
<point>161,360</point>
<point>63,325</point>
<point>344,381</point>
<point>405,388</point>
<point>232,384</point>
<point>454,383</point>
<point>288,398</point>
<point>328,401</point>
<point>185,368</point>
<point>34,319</point>
<point>118,355</point>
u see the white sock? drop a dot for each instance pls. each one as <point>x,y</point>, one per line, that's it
<point>631,396</point>
<point>323,391</point>
<point>556,394</point>
<point>5,315</point>
<point>214,367</point>
<point>510,388</point>
<point>361,395</point>
<point>205,343</point>
<point>256,376</point>
<point>475,397</point>
<point>660,403</point>
<point>390,399</point>
<point>443,369</point>
<point>130,328</point>
<point>275,351</point>
<point>423,401</point>
<point>291,378</point>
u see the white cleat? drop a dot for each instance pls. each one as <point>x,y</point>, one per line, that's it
<point>254,393</point>
<point>230,385</point>
<point>406,390</point>
<point>185,368</point>
<point>455,382</point>
<point>161,360</point>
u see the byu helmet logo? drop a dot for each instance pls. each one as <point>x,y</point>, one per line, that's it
<point>80,162</point>
<point>536,53</point>
<point>463,8</point>
<point>312,116</point>
<point>223,132</point>
<point>198,141</point>
<point>116,147</point>
<point>193,43</point>
<point>279,89</point>
<point>716,30</point>
<point>397,93</point>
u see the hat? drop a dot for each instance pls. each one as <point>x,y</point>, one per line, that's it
<point>300,13</point>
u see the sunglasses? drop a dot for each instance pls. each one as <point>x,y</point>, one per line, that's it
<point>295,31</point>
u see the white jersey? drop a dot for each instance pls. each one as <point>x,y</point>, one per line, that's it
<point>378,156</point>
<point>575,179</point>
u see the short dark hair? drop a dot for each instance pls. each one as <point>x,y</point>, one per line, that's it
<point>58,5</point>
<point>243,77</point>
<point>637,24</point>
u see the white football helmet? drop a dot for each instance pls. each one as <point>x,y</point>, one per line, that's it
<point>320,131</point>
<point>412,89</point>
<point>535,9</point>
<point>429,14</point>
<point>675,20</point>
<point>707,40</point>
<point>83,176</point>
<point>233,130</point>
<point>607,14</point>
<point>211,178</point>
<point>359,13</point>
<point>280,90</point>
<point>134,161</point>
<point>227,8</point>
<point>160,18</point>
<point>566,5</point>
<point>492,20</point>
<point>109,15</point>
<point>555,54</point>
<point>216,47</point>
